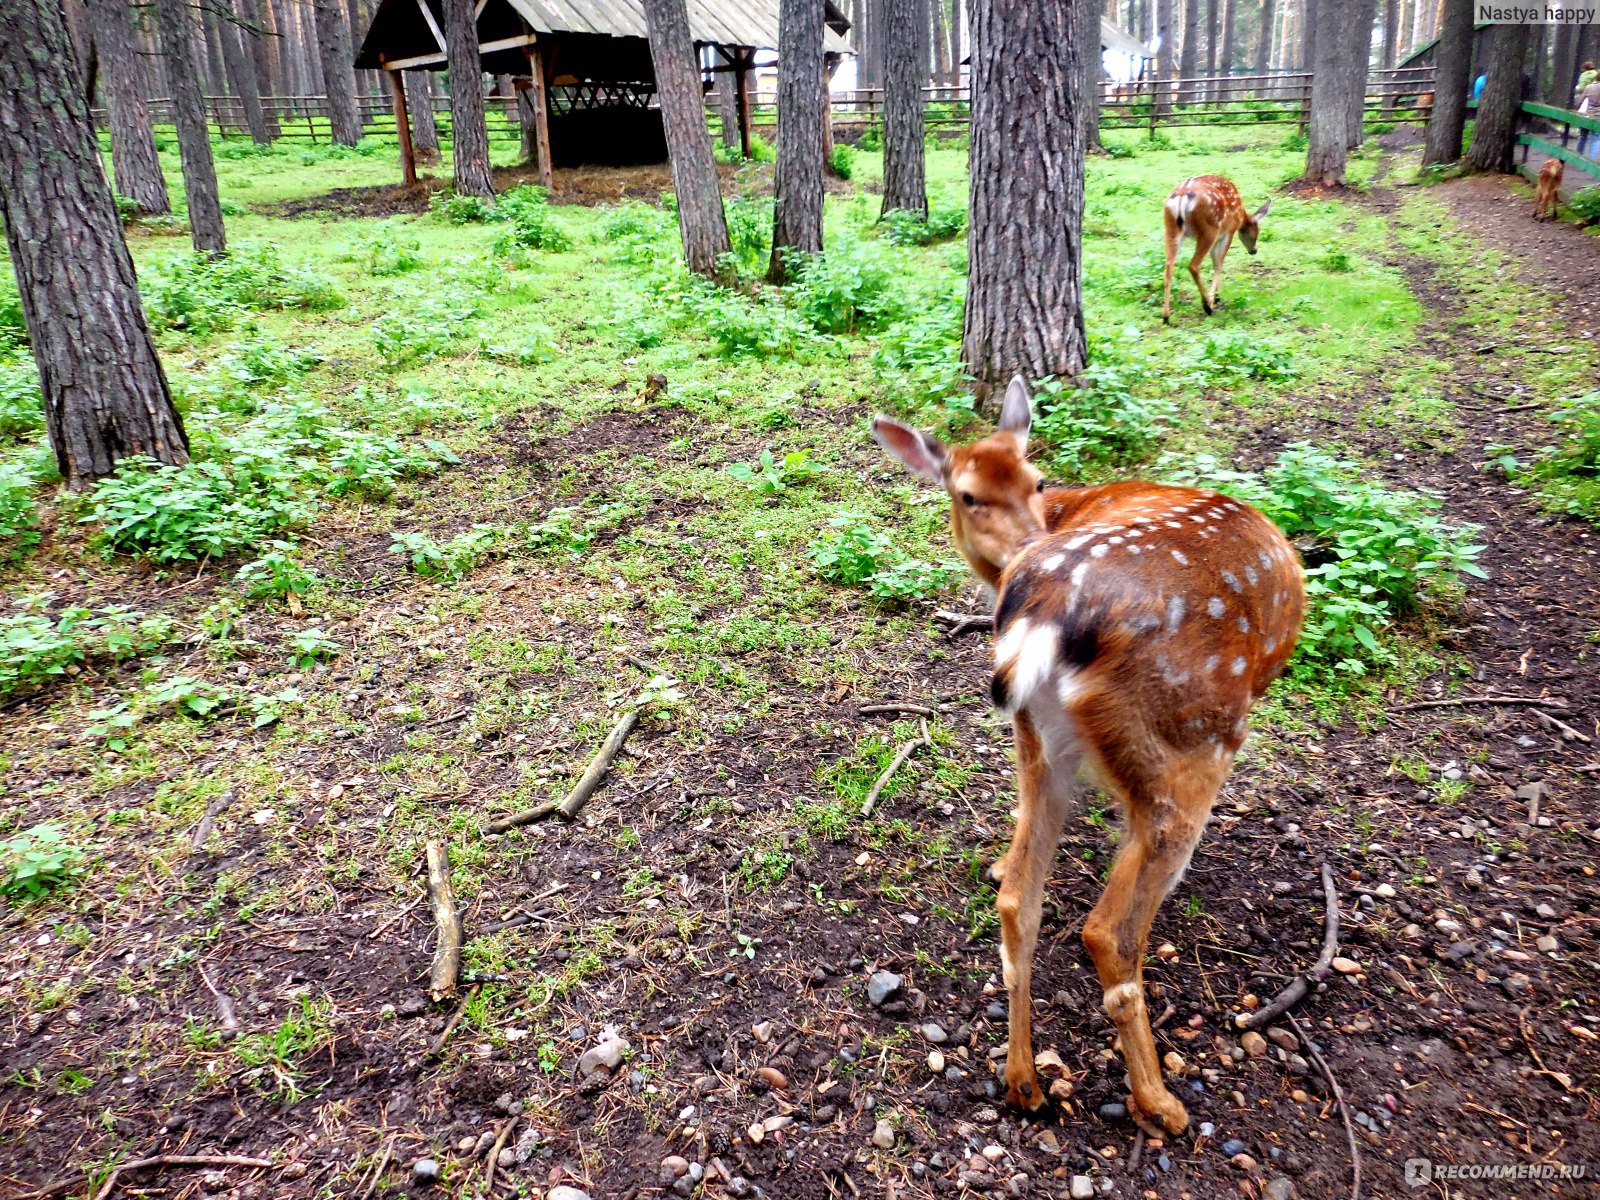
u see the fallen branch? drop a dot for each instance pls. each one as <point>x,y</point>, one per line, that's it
<point>447,950</point>
<point>1560,1077</point>
<point>383,1164</point>
<point>906,751</point>
<point>1297,989</point>
<point>1460,701</point>
<point>962,622</point>
<point>1338,1095</point>
<point>915,710</point>
<point>494,1153</point>
<point>208,821</point>
<point>394,919</point>
<point>579,795</point>
<point>450,1026</point>
<point>1561,727</point>
<point>140,1164</point>
<point>225,1009</point>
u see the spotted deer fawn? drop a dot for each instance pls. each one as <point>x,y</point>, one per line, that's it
<point>1137,624</point>
<point>1544,204</point>
<point>1208,209</point>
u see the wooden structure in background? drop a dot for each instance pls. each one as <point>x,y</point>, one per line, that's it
<point>587,63</point>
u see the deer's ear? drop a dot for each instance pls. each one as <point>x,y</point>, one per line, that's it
<point>1266,206</point>
<point>1016,412</point>
<point>921,454</point>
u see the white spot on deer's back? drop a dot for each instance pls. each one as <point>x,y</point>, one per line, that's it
<point>1216,607</point>
<point>1265,559</point>
<point>1232,580</point>
<point>1175,608</point>
<point>1180,558</point>
<point>1051,563</point>
<point>1231,506</point>
<point>1239,665</point>
<point>1099,550</point>
<point>1244,624</point>
<point>1250,574</point>
<point>1078,572</point>
<point>1213,662</point>
<point>1080,540</point>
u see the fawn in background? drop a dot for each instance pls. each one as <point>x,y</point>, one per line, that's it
<point>1136,626</point>
<point>1208,209</point>
<point>1550,175</point>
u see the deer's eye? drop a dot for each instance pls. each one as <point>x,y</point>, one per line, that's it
<point>966,498</point>
<point>1039,487</point>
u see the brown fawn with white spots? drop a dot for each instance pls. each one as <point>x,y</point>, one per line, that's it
<point>1137,624</point>
<point>1549,195</point>
<point>1208,209</point>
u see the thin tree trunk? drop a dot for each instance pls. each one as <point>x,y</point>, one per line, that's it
<point>1391,31</point>
<point>338,80</point>
<point>1163,97</point>
<point>1189,54</point>
<point>419,102</point>
<point>133,146</point>
<point>1092,65</point>
<point>1494,132</point>
<point>258,40</point>
<point>241,75</point>
<point>469,126</point>
<point>904,184</point>
<point>105,396</point>
<point>1419,16</point>
<point>209,49</point>
<point>1225,57</point>
<point>1310,16</point>
<point>727,105</point>
<point>797,190</point>
<point>1264,46</point>
<point>1451,79</point>
<point>955,43</point>
<point>1024,309</point>
<point>1213,32</point>
<point>1358,57</point>
<point>941,61</point>
<point>1328,125</point>
<point>1537,55</point>
<point>1564,65</point>
<point>194,138</point>
<point>701,221</point>
<point>80,36</point>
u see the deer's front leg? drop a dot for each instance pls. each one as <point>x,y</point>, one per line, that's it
<point>1043,792</point>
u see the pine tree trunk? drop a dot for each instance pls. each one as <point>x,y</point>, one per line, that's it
<point>241,75</point>
<point>469,127</point>
<point>1537,55</point>
<point>904,184</point>
<point>1494,132</point>
<point>1451,79</point>
<point>105,396</point>
<point>1328,126</point>
<point>1163,97</point>
<point>1564,66</point>
<point>1024,310</point>
<point>1358,56</point>
<point>701,221</point>
<point>257,38</point>
<point>1391,31</point>
<point>1189,55</point>
<point>1212,37</point>
<point>338,80</point>
<point>1264,46</point>
<point>955,44</point>
<point>1419,16</point>
<point>727,104</point>
<point>1225,55</point>
<point>941,43</point>
<point>80,36</point>
<point>194,137</point>
<point>797,190</point>
<point>1309,17</point>
<point>133,146</point>
<point>419,103</point>
<point>1093,68</point>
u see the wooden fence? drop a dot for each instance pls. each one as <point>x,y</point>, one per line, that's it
<point>1540,124</point>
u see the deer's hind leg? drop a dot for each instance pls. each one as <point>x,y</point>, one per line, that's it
<point>1200,252</point>
<point>1219,252</point>
<point>1166,804</point>
<point>1173,235</point>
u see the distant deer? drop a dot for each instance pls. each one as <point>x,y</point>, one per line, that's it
<point>1208,209</point>
<point>1544,204</point>
<point>1137,625</point>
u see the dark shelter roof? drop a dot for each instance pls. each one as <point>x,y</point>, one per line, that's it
<point>610,33</point>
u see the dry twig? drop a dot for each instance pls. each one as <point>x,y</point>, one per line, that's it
<point>1338,1095</point>
<point>570,807</point>
<point>915,710</point>
<point>1462,701</point>
<point>494,1154</point>
<point>450,1026</point>
<point>208,821</point>
<point>383,1165</point>
<point>1561,727</point>
<point>962,622</point>
<point>108,1185</point>
<point>447,951</point>
<point>906,751</point>
<point>225,1009</point>
<point>1296,991</point>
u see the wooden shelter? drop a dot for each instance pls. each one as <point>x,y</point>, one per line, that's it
<point>587,64</point>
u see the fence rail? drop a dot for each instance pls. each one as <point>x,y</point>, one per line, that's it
<point>1540,123</point>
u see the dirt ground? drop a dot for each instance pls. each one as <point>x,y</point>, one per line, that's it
<point>1464,1038</point>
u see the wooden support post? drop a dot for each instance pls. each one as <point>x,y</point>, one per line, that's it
<point>540,98</point>
<point>742,87</point>
<point>402,126</point>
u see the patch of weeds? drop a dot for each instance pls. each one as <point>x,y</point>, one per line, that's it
<point>768,476</point>
<point>276,574</point>
<point>1231,358</point>
<point>388,251</point>
<point>272,1059</point>
<point>1569,468</point>
<point>532,227</point>
<point>36,647</point>
<point>1585,204</point>
<point>446,560</point>
<point>308,647</point>
<point>856,554</point>
<point>848,288</point>
<point>429,327</point>
<point>200,295</point>
<point>21,403</point>
<point>238,377</point>
<point>1120,417</point>
<point>37,862</point>
<point>18,513</point>
<point>454,209</point>
<point>919,360</point>
<point>842,162</point>
<point>749,232</point>
<point>901,227</point>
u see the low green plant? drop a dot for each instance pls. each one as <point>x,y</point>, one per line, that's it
<point>1120,416</point>
<point>389,251</point>
<point>1570,467</point>
<point>428,327</point>
<point>462,210</point>
<point>188,696</point>
<point>842,162</point>
<point>918,359</point>
<point>769,475</point>
<point>1335,258</point>
<point>848,288</point>
<point>902,227</point>
<point>532,227</point>
<point>198,294</point>
<point>18,513</point>
<point>447,560</point>
<point>1231,358</point>
<point>308,647</point>
<point>853,552</point>
<point>36,646</point>
<point>37,861</point>
<point>1585,204</point>
<point>276,574</point>
<point>21,404</point>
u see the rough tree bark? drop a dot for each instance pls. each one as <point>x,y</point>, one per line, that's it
<point>80,36</point>
<point>469,126</point>
<point>955,44</point>
<point>1189,52</point>
<point>259,40</point>
<point>1024,311</point>
<point>419,103</point>
<point>701,221</point>
<point>1163,96</point>
<point>1494,132</point>
<point>1358,55</point>
<point>105,396</point>
<point>1328,125</point>
<point>724,97</point>
<point>1225,54</point>
<point>338,79</point>
<point>194,138</point>
<point>133,146</point>
<point>241,74</point>
<point>1564,65</point>
<point>1089,79</point>
<point>904,182</point>
<point>797,188</point>
<point>1264,45</point>
<point>1310,15</point>
<point>1453,62</point>
<point>941,43</point>
<point>1391,31</point>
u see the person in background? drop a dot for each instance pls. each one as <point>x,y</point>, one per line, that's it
<point>1477,88</point>
<point>1584,80</point>
<point>1589,105</point>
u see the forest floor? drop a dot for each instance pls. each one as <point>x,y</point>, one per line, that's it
<point>721,903</point>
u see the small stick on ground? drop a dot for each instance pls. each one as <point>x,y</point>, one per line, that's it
<point>1526,1030</point>
<point>383,1165</point>
<point>579,795</point>
<point>1462,701</point>
<point>394,919</point>
<point>906,751</point>
<point>225,1010</point>
<point>1561,727</point>
<point>494,1153</point>
<point>1137,1153</point>
<point>1338,1095</point>
<point>962,622</point>
<point>915,710</point>
<point>450,1026</point>
<point>215,809</point>
<point>143,1164</point>
<point>447,920</point>
<point>1296,991</point>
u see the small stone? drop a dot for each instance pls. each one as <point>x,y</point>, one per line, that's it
<point>1547,945</point>
<point>1113,1112</point>
<point>1547,911</point>
<point>1278,1188</point>
<point>1346,966</point>
<point>1299,1096</point>
<point>935,1033</point>
<point>604,1055</point>
<point>883,987</point>
<point>1060,1089</point>
<point>1387,892</point>
<point>1244,1162</point>
<point>1254,1044</point>
<point>935,1062</point>
<point>738,1187</point>
<point>424,1172</point>
<point>773,1078</point>
<point>756,1133</point>
<point>1081,1188</point>
<point>883,1136</point>
<point>1166,951</point>
<point>1234,1146</point>
<point>1173,1061</point>
<point>763,1032</point>
<point>1048,1142</point>
<point>566,1192</point>
<point>1283,1039</point>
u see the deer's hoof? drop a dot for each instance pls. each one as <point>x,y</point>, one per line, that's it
<point>997,871</point>
<point>1159,1114</point>
<point>1024,1093</point>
